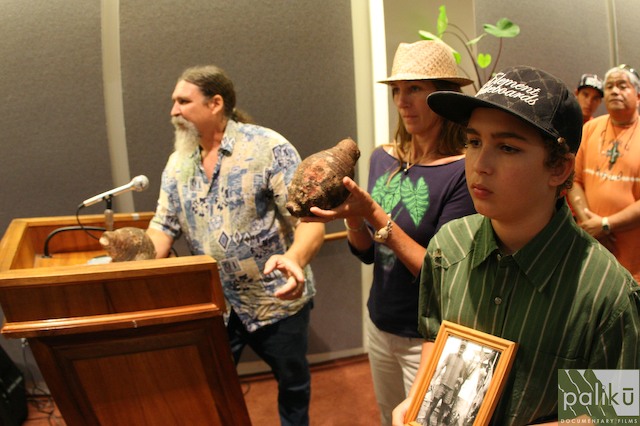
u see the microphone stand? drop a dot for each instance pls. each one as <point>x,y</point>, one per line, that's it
<point>108,214</point>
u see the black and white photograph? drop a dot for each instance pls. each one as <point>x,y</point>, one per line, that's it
<point>459,385</point>
<point>463,379</point>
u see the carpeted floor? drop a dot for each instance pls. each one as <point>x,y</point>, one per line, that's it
<point>341,394</point>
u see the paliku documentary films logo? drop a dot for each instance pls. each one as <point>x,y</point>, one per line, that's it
<point>606,396</point>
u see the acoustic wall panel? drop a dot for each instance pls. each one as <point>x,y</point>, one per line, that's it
<point>627,17</point>
<point>291,63</point>
<point>53,134</point>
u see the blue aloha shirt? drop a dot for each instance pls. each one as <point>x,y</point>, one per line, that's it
<point>239,217</point>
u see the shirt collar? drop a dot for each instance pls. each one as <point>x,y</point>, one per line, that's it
<point>226,145</point>
<point>229,137</point>
<point>540,257</point>
<point>484,243</point>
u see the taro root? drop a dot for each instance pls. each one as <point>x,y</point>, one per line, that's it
<point>128,243</point>
<point>318,179</point>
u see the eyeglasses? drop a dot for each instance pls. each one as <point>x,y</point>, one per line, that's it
<point>628,68</point>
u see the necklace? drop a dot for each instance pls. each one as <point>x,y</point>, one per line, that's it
<point>614,153</point>
<point>409,165</point>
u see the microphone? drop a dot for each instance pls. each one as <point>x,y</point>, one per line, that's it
<point>138,183</point>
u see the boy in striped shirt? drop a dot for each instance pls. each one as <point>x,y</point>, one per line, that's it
<point>521,268</point>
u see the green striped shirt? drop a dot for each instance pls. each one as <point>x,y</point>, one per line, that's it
<point>563,298</point>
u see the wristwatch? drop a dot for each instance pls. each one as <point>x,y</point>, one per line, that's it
<point>383,233</point>
<point>605,225</point>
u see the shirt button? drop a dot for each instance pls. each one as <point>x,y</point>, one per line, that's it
<point>497,300</point>
<point>499,257</point>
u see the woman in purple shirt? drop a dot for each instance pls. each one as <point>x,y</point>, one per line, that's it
<point>416,184</point>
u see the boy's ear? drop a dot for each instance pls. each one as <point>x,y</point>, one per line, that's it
<point>562,171</point>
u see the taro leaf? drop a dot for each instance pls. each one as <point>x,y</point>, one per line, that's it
<point>475,40</point>
<point>503,28</point>
<point>484,60</point>
<point>426,35</point>
<point>415,198</point>
<point>387,195</point>
<point>443,21</point>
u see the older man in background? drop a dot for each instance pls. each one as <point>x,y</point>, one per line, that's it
<point>606,192</point>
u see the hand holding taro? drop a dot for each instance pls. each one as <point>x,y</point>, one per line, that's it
<point>358,204</point>
<point>318,180</point>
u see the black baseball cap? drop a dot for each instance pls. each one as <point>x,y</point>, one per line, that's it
<point>528,93</point>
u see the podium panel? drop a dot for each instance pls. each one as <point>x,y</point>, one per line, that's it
<point>126,343</point>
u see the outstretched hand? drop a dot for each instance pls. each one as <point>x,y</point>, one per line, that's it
<point>294,287</point>
<point>358,203</point>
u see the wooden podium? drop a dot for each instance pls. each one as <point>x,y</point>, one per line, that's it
<point>128,343</point>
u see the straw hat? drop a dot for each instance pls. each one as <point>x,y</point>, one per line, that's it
<point>425,60</point>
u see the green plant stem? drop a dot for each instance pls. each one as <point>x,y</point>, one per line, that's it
<point>493,69</point>
<point>461,31</point>
<point>473,61</point>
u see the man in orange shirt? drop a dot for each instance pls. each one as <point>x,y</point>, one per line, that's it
<point>606,192</point>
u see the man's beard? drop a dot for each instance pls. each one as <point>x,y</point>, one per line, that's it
<point>187,137</point>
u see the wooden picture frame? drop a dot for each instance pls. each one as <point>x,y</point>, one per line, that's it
<point>476,381</point>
